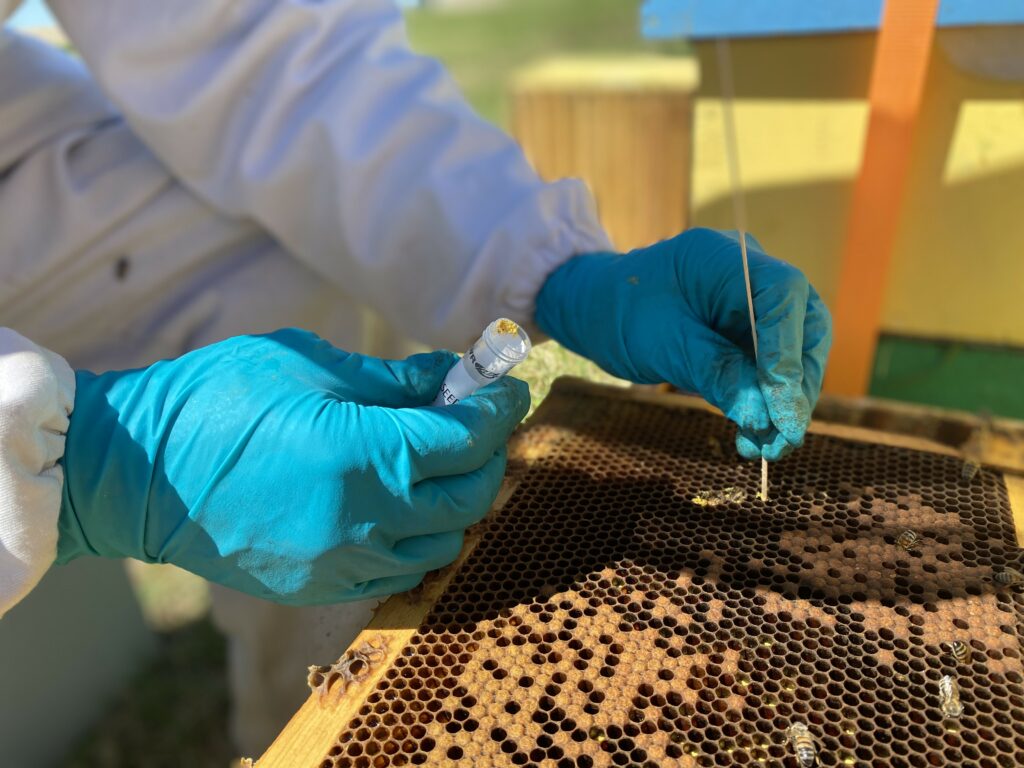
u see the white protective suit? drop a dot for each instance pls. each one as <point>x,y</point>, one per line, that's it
<point>217,167</point>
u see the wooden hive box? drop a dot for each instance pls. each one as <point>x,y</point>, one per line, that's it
<point>629,602</point>
<point>624,124</point>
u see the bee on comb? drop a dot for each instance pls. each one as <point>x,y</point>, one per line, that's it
<point>1009,577</point>
<point>803,745</point>
<point>908,541</point>
<point>960,651</point>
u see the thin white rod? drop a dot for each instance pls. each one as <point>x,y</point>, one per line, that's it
<point>732,154</point>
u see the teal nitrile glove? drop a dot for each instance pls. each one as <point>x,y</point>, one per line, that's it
<point>676,311</point>
<point>283,467</point>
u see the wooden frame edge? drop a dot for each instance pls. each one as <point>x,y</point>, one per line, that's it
<point>1015,490</point>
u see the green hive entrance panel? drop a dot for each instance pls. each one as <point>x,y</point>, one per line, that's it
<point>634,604</point>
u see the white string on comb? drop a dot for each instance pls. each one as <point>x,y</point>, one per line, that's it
<point>732,153</point>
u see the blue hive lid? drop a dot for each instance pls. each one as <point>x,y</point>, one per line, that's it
<point>697,19</point>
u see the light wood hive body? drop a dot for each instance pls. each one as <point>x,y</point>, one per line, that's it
<point>625,126</point>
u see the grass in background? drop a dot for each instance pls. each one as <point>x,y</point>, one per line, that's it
<point>482,49</point>
<point>175,713</point>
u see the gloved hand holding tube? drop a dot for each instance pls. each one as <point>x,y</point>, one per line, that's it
<point>283,467</point>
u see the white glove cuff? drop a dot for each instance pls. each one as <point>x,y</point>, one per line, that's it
<point>37,390</point>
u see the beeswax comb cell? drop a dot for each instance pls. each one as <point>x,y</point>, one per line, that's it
<point>605,619</point>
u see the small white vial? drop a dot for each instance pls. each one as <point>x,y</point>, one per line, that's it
<point>500,348</point>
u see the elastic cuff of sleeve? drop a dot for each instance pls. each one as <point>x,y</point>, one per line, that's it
<point>37,391</point>
<point>560,222</point>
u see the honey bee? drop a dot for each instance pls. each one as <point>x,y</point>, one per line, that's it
<point>803,745</point>
<point>1009,577</point>
<point>908,541</point>
<point>961,652</point>
<point>974,448</point>
<point>949,697</point>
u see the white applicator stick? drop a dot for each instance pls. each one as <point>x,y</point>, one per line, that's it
<point>739,209</point>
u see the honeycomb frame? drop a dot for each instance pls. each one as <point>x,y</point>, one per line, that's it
<point>775,618</point>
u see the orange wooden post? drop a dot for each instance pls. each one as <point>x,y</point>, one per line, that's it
<point>897,84</point>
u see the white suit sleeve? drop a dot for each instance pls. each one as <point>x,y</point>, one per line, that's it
<point>37,390</point>
<point>317,121</point>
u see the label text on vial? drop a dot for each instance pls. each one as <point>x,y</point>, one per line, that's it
<point>447,395</point>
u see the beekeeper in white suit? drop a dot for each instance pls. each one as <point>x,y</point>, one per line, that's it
<point>213,168</point>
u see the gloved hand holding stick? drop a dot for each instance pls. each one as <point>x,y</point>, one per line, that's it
<point>676,312</point>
